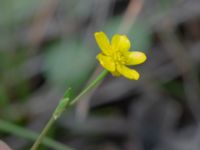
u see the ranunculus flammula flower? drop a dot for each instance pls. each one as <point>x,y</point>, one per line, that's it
<point>116,57</point>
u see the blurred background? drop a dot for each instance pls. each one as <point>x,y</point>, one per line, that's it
<point>48,45</point>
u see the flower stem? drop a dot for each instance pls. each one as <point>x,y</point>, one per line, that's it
<point>43,133</point>
<point>9,127</point>
<point>90,86</point>
<point>64,103</point>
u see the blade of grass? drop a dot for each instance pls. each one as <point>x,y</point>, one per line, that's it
<point>9,127</point>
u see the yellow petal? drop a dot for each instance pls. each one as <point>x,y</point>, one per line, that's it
<point>116,73</point>
<point>106,62</point>
<point>128,73</point>
<point>135,58</point>
<point>120,43</point>
<point>103,42</point>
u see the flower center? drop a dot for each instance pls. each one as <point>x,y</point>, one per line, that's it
<point>119,58</point>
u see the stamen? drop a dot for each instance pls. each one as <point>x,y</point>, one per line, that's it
<point>119,58</point>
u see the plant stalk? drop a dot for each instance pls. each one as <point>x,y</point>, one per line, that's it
<point>67,103</point>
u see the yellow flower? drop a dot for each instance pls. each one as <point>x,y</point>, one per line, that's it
<point>116,57</point>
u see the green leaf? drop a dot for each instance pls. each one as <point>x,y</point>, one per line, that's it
<point>63,103</point>
<point>68,93</point>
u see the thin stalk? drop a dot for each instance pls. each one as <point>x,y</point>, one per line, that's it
<point>43,133</point>
<point>90,86</point>
<point>9,127</point>
<point>66,104</point>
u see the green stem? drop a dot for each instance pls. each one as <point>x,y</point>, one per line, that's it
<point>8,127</point>
<point>59,109</point>
<point>43,133</point>
<point>90,86</point>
